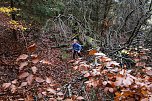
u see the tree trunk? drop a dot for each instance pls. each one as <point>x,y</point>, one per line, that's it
<point>13,18</point>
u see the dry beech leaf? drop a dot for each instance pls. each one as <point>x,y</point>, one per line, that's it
<point>83,67</point>
<point>52,99</point>
<point>104,83</point>
<point>148,68</point>
<point>23,84</point>
<point>60,98</point>
<point>71,61</point>
<point>29,98</point>
<point>48,79</point>
<point>99,54</point>
<point>22,65</point>
<point>60,94</point>
<point>119,81</point>
<point>149,72</point>
<point>92,52</point>
<point>29,79</point>
<point>112,64</point>
<point>128,81</point>
<point>106,89</point>
<point>35,58</point>
<point>14,81</point>
<point>80,98</point>
<point>150,98</point>
<point>68,100</point>
<point>111,90</point>
<point>73,97</point>
<point>32,48</point>
<point>23,75</point>
<point>34,69</point>
<point>44,93</point>
<point>39,95</point>
<point>20,99</point>
<point>87,74</point>
<point>39,80</point>
<point>6,85</point>
<point>52,91</point>
<point>22,57</point>
<point>13,88</point>
<point>45,62</point>
<point>105,59</point>
<point>75,67</point>
<point>145,99</point>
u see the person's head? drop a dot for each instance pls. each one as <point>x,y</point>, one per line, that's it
<point>75,41</point>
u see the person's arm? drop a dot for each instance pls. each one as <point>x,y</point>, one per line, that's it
<point>73,47</point>
<point>80,47</point>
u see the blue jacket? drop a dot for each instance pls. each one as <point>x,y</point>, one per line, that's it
<point>76,47</point>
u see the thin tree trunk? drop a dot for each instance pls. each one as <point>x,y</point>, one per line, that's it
<point>13,18</point>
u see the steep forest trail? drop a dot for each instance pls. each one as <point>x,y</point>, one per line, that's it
<point>25,79</point>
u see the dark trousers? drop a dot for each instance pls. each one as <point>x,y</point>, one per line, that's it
<point>74,54</point>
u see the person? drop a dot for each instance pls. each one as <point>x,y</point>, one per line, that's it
<point>76,47</point>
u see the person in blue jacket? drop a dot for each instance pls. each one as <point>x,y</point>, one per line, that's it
<point>76,48</point>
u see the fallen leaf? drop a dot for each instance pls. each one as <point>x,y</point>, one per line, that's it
<point>35,59</point>
<point>105,83</point>
<point>32,48</point>
<point>111,90</point>
<point>99,54</point>
<point>22,65</point>
<point>45,62</point>
<point>128,81</point>
<point>44,93</point>
<point>6,85</point>
<point>34,69</point>
<point>68,100</point>
<point>39,80</point>
<point>52,91</point>
<point>60,98</point>
<point>29,98</point>
<point>75,67</point>
<point>60,94</point>
<point>20,99</point>
<point>13,88</point>
<point>80,98</point>
<point>145,99</point>
<point>23,84</point>
<point>83,67</point>
<point>149,72</point>
<point>22,57</point>
<point>14,81</point>
<point>52,99</point>
<point>112,64</point>
<point>148,68</point>
<point>23,75</point>
<point>105,59</point>
<point>106,89</point>
<point>119,81</point>
<point>150,98</point>
<point>92,52</point>
<point>87,74</point>
<point>48,79</point>
<point>39,95</point>
<point>29,79</point>
<point>71,61</point>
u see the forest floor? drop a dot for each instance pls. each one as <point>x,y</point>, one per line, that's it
<point>35,72</point>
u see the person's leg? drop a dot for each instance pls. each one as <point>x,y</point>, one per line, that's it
<point>79,54</point>
<point>74,53</point>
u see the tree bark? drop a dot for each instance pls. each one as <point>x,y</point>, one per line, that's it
<point>13,18</point>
